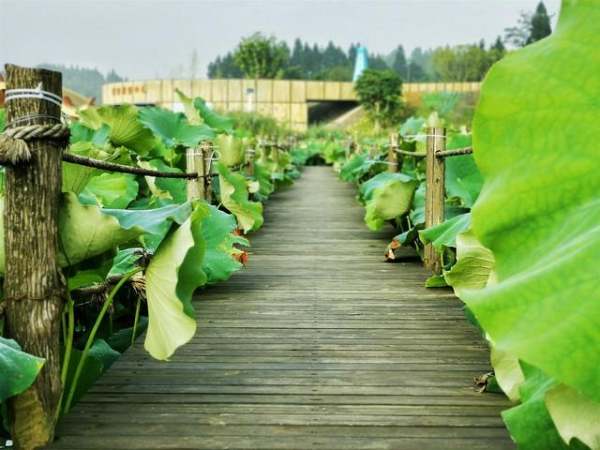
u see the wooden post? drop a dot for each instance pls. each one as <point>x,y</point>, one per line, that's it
<point>207,157</point>
<point>34,288</point>
<point>392,155</point>
<point>195,162</point>
<point>434,197</point>
<point>249,154</point>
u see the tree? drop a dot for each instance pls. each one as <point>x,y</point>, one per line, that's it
<point>463,62</point>
<point>259,56</point>
<point>530,27</point>
<point>498,45</point>
<point>540,24</point>
<point>379,92</point>
<point>518,35</point>
<point>400,65</point>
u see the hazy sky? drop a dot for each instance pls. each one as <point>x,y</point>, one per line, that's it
<point>147,39</point>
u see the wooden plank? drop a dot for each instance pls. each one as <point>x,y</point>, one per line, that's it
<point>317,344</point>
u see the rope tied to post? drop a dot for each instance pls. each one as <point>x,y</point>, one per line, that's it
<point>14,147</point>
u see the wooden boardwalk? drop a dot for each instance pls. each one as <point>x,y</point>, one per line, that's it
<point>318,344</point>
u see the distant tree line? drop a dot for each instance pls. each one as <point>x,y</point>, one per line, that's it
<point>84,80</point>
<point>259,56</point>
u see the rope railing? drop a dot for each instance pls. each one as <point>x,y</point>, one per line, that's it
<point>454,152</point>
<point>113,167</point>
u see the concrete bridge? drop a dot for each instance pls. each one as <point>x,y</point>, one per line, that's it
<point>288,101</point>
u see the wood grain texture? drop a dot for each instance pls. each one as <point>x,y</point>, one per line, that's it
<point>34,288</point>
<point>317,344</point>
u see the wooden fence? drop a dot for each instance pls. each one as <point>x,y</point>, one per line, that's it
<point>435,190</point>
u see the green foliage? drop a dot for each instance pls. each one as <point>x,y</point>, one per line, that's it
<point>525,268</point>
<point>359,165</point>
<point>254,124</point>
<point>530,28</point>
<point>525,158</point>
<point>173,274</point>
<point>173,128</point>
<point>19,369</point>
<point>540,24</point>
<point>125,127</point>
<point>379,92</point>
<point>463,62</point>
<point>143,231</point>
<point>261,57</point>
<point>232,150</point>
<point>474,264</point>
<point>111,190</point>
<point>217,229</point>
<point>303,62</point>
<point>444,234</point>
<point>235,197</point>
<point>387,196</point>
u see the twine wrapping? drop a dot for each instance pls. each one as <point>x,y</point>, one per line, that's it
<point>13,142</point>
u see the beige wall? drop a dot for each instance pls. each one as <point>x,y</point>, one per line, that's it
<point>285,100</point>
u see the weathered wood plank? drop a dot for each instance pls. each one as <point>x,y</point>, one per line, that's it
<point>317,344</point>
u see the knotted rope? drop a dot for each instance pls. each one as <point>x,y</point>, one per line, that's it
<point>14,148</point>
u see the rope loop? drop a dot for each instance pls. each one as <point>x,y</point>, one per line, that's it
<point>14,148</point>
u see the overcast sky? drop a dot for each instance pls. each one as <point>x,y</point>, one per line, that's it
<point>148,39</point>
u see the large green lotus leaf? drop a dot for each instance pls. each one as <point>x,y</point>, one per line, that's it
<point>174,189</point>
<point>234,196</point>
<point>463,179</point>
<point>474,266</point>
<point>529,423</point>
<point>263,176</point>
<point>87,231</point>
<point>536,143</point>
<point>191,113</point>
<point>125,261</point>
<point>112,190</point>
<point>217,228</point>
<point>173,128</point>
<point>125,127</point>
<point>75,176</point>
<point>411,127</point>
<point>231,150</point>
<point>509,375</point>
<point>219,123</point>
<point>18,370</point>
<point>80,133</point>
<point>387,196</point>
<point>574,415</point>
<point>444,234</point>
<point>173,274</point>
<point>155,223</point>
<point>357,166</point>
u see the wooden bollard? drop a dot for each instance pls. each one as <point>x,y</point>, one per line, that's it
<point>434,194</point>
<point>250,153</point>
<point>198,161</point>
<point>34,288</point>
<point>195,162</point>
<point>208,159</point>
<point>392,157</point>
